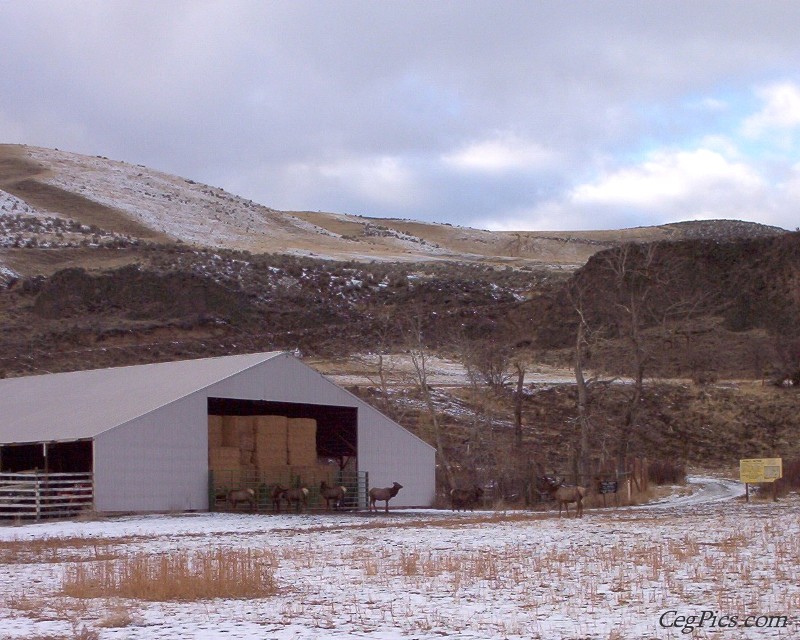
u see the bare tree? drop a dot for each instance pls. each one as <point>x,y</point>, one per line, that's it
<point>486,360</point>
<point>519,398</point>
<point>383,366</point>
<point>419,360</point>
<point>576,293</point>
<point>647,293</point>
<point>634,286</point>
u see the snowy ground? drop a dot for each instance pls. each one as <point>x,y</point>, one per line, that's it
<point>361,369</point>
<point>429,574</point>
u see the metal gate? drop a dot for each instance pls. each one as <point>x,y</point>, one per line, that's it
<point>45,495</point>
<point>262,482</point>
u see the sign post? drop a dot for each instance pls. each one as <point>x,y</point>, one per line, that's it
<point>757,470</point>
<point>608,486</point>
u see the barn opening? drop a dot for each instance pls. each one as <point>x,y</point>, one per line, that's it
<point>259,444</point>
<point>47,457</point>
<point>46,479</point>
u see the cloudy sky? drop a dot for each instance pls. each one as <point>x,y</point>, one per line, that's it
<point>497,114</point>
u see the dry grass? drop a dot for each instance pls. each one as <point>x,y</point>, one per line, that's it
<point>116,618</point>
<point>183,576</point>
<point>53,550</point>
<point>530,569</point>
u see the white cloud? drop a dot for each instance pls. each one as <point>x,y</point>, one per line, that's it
<point>383,180</point>
<point>781,110</point>
<point>500,154</point>
<point>791,187</point>
<point>668,186</point>
<point>697,180</point>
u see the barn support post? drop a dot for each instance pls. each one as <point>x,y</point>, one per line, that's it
<point>38,488</point>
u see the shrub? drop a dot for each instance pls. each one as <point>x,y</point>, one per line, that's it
<point>666,472</point>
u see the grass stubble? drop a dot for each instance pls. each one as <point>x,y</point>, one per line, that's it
<point>600,580</point>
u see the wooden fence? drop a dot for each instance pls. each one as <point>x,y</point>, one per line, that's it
<point>45,495</point>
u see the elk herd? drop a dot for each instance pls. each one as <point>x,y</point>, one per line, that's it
<point>461,499</point>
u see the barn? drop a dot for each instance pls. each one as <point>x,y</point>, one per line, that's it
<point>174,436</point>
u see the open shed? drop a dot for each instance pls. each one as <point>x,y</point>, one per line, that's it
<point>151,437</point>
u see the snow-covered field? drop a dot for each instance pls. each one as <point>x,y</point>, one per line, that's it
<point>616,573</point>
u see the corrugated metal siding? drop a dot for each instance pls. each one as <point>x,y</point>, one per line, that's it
<point>158,462</point>
<point>391,455</point>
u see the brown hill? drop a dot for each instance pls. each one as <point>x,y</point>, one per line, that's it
<point>695,307</point>
<point>58,200</point>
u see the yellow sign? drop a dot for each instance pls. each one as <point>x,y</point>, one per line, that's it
<point>755,470</point>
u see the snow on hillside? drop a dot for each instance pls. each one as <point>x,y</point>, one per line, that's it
<point>199,214</point>
<point>10,205</point>
<point>180,208</point>
<point>615,574</point>
<point>359,369</point>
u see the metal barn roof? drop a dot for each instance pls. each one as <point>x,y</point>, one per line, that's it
<point>82,404</point>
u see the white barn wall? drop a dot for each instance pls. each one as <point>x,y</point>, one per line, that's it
<point>394,455</point>
<point>158,462</point>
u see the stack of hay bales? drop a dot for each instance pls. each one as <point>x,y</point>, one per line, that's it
<point>246,438</point>
<point>220,455</point>
<point>214,432</point>
<point>231,442</point>
<point>301,442</point>
<point>280,447</point>
<point>271,442</point>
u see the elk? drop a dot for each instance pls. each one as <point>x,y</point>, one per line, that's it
<point>297,497</point>
<point>277,495</point>
<point>235,496</point>
<point>564,495</point>
<point>465,498</point>
<point>384,494</point>
<point>332,493</point>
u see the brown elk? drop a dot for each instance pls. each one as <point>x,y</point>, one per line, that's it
<point>384,494</point>
<point>235,496</point>
<point>465,498</point>
<point>277,495</point>
<point>298,497</point>
<point>564,495</point>
<point>336,494</point>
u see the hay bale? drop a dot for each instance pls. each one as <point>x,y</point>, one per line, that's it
<point>279,474</point>
<point>301,439</point>
<point>247,459</point>
<point>222,458</point>
<point>328,473</point>
<point>230,432</point>
<point>245,430</point>
<point>270,441</point>
<point>214,432</point>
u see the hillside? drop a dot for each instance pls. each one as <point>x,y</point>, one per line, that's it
<point>55,199</point>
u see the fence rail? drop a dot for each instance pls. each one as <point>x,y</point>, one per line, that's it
<point>262,482</point>
<point>45,495</point>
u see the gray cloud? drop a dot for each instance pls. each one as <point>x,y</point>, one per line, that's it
<point>503,114</point>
